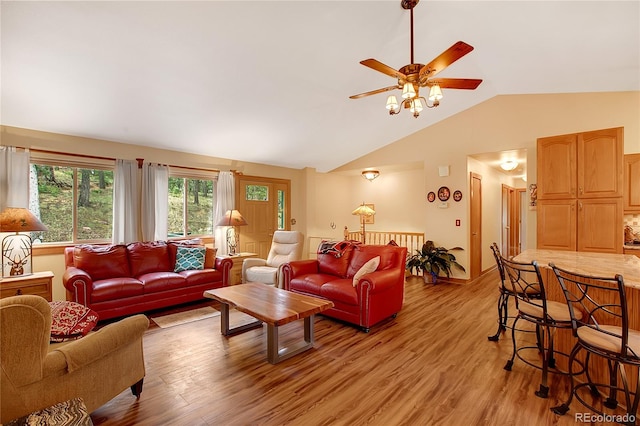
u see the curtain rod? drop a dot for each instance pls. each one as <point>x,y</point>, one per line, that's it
<point>97,157</point>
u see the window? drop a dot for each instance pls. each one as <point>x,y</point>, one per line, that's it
<point>191,206</point>
<point>74,202</point>
<point>257,193</point>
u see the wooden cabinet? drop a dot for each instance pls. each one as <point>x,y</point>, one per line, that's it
<point>38,283</point>
<point>632,183</point>
<point>581,165</point>
<point>600,225</point>
<point>236,269</point>
<point>580,189</point>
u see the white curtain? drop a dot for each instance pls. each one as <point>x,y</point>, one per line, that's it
<point>225,201</point>
<point>125,202</point>
<point>14,177</point>
<point>155,202</point>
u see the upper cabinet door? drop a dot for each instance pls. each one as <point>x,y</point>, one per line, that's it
<point>632,183</point>
<point>557,167</point>
<point>600,170</point>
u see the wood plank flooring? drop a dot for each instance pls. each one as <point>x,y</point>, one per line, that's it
<point>432,365</point>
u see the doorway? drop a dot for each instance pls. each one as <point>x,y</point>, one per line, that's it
<point>265,203</point>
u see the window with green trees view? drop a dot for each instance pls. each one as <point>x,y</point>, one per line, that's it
<point>68,195</point>
<point>191,206</point>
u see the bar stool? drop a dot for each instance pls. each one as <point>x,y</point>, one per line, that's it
<point>506,291</point>
<point>603,331</point>
<point>533,306</point>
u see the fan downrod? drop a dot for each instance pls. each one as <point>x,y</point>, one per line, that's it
<point>408,4</point>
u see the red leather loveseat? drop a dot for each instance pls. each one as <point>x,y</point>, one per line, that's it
<point>373,297</point>
<point>119,280</point>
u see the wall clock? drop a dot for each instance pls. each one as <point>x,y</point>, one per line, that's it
<point>443,193</point>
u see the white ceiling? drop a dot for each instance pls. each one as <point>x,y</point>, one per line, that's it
<point>269,82</point>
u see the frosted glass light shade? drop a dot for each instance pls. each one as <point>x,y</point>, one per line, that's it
<point>435,93</point>
<point>408,92</point>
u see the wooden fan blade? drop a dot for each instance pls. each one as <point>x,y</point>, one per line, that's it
<point>373,92</point>
<point>456,83</point>
<point>446,58</point>
<point>385,69</point>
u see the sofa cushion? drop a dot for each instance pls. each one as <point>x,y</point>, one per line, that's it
<point>102,262</point>
<point>335,261</point>
<point>161,281</point>
<point>341,290</point>
<point>204,276</point>
<point>310,283</point>
<point>189,258</point>
<point>148,257</point>
<point>370,266</point>
<point>362,254</point>
<point>70,320</point>
<point>173,248</point>
<point>116,288</point>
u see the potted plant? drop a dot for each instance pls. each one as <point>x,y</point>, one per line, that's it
<point>433,261</point>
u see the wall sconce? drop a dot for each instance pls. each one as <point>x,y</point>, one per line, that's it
<point>370,174</point>
<point>232,219</point>
<point>509,165</point>
<point>17,248</point>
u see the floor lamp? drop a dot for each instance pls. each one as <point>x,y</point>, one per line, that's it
<point>363,211</point>
<point>232,219</point>
<point>17,248</point>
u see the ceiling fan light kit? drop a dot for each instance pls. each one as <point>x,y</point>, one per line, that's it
<point>413,76</point>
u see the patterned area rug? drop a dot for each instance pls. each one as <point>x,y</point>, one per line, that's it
<point>180,318</point>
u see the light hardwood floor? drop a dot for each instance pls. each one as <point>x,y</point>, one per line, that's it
<point>432,365</point>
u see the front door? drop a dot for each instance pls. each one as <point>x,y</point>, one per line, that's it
<point>265,204</point>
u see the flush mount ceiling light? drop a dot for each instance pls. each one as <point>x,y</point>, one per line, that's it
<point>509,165</point>
<point>410,78</point>
<point>370,174</point>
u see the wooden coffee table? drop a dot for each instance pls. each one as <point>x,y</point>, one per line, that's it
<point>272,306</point>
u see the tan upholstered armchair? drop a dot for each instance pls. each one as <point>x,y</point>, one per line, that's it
<point>286,246</point>
<point>36,374</point>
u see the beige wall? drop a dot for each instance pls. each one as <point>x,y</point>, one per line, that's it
<point>409,168</point>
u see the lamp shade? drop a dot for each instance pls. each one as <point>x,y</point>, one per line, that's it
<point>232,218</point>
<point>392,103</point>
<point>364,210</point>
<point>435,93</point>
<point>16,219</point>
<point>408,91</point>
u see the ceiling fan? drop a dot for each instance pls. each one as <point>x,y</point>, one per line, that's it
<point>414,76</point>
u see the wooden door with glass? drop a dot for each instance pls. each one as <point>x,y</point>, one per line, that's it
<point>265,203</point>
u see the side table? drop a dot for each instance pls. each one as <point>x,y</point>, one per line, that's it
<point>236,270</point>
<point>38,283</point>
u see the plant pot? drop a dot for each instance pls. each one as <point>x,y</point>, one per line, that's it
<point>429,278</point>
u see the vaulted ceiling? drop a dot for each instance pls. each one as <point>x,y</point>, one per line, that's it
<point>269,81</point>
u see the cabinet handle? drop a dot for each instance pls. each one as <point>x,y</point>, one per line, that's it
<point>581,190</point>
<point>580,205</point>
<point>19,292</point>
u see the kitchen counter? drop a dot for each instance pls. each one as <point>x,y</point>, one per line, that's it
<point>597,264</point>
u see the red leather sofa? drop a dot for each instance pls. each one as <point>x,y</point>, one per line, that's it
<point>376,295</point>
<point>120,280</point>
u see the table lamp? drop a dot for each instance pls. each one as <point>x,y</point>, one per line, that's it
<point>17,248</point>
<point>363,211</point>
<point>232,219</point>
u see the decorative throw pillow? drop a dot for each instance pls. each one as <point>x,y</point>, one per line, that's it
<point>189,258</point>
<point>368,267</point>
<point>70,320</point>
